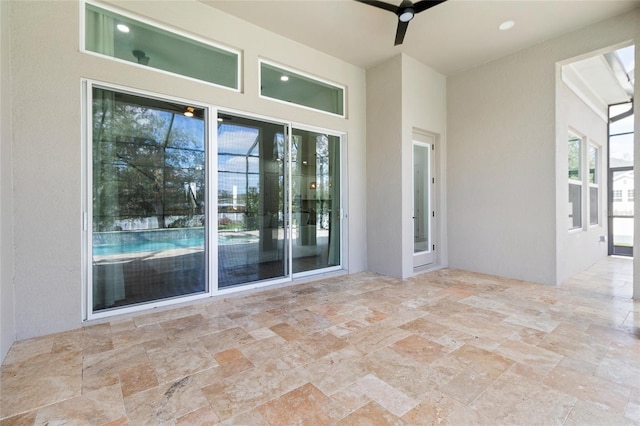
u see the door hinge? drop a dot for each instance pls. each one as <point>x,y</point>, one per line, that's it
<point>434,247</point>
<point>433,180</point>
<point>433,214</point>
<point>433,147</point>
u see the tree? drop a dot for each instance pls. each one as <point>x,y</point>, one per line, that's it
<point>148,160</point>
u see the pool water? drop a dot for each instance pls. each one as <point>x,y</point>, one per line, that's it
<point>183,243</point>
<point>145,245</point>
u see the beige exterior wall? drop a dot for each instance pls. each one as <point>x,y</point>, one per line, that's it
<point>403,96</point>
<point>424,109</point>
<point>502,192</point>
<point>47,67</point>
<point>7,315</point>
<point>582,248</point>
<point>384,165</point>
<point>506,176</point>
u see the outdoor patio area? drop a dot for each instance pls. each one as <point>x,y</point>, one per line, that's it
<point>445,347</point>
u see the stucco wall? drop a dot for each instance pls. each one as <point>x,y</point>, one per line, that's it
<point>384,163</point>
<point>7,317</point>
<point>424,109</point>
<point>502,159</point>
<point>582,248</point>
<point>47,67</point>
<point>403,95</point>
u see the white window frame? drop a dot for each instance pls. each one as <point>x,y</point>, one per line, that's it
<point>87,205</point>
<point>164,27</point>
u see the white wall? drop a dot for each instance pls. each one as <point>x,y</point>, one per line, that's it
<point>403,95</point>
<point>47,68</point>
<point>7,316</point>
<point>424,108</point>
<point>578,249</point>
<point>502,177</point>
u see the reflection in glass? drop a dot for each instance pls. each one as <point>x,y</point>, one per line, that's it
<point>316,200</point>
<point>148,240</point>
<point>288,86</point>
<point>156,48</point>
<point>575,156</point>
<point>421,208</point>
<point>251,200</point>
<point>593,164</point>
<point>594,206</point>
<point>575,206</point>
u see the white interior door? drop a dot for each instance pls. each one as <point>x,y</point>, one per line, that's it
<point>423,207</point>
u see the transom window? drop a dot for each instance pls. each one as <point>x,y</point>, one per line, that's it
<point>125,38</point>
<point>289,86</point>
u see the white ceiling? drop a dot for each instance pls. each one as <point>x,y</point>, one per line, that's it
<point>450,38</point>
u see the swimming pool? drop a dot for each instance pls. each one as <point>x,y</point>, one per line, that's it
<point>130,242</point>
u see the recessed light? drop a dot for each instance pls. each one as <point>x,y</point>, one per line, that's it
<point>123,28</point>
<point>506,25</point>
<point>284,78</point>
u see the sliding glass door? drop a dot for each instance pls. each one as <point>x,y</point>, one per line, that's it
<point>252,214</point>
<point>278,201</point>
<point>315,225</point>
<point>149,200</point>
<point>151,235</point>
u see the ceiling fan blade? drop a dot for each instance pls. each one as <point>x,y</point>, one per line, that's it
<point>400,32</point>
<point>423,5</point>
<point>380,4</point>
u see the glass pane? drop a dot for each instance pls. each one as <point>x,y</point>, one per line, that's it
<point>621,151</point>
<point>623,193</point>
<point>316,200</point>
<point>421,198</point>
<point>575,206</point>
<point>124,38</point>
<point>621,125</point>
<point>593,164</point>
<point>288,86</point>
<point>594,206</point>
<point>575,154</point>
<point>251,237</point>
<point>148,200</point>
<point>623,231</point>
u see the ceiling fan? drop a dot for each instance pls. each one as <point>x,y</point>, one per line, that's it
<point>405,12</point>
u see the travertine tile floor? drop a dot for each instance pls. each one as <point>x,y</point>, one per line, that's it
<point>447,347</point>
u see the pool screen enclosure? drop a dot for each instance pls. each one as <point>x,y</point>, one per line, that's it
<point>149,206</point>
<point>151,170</point>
